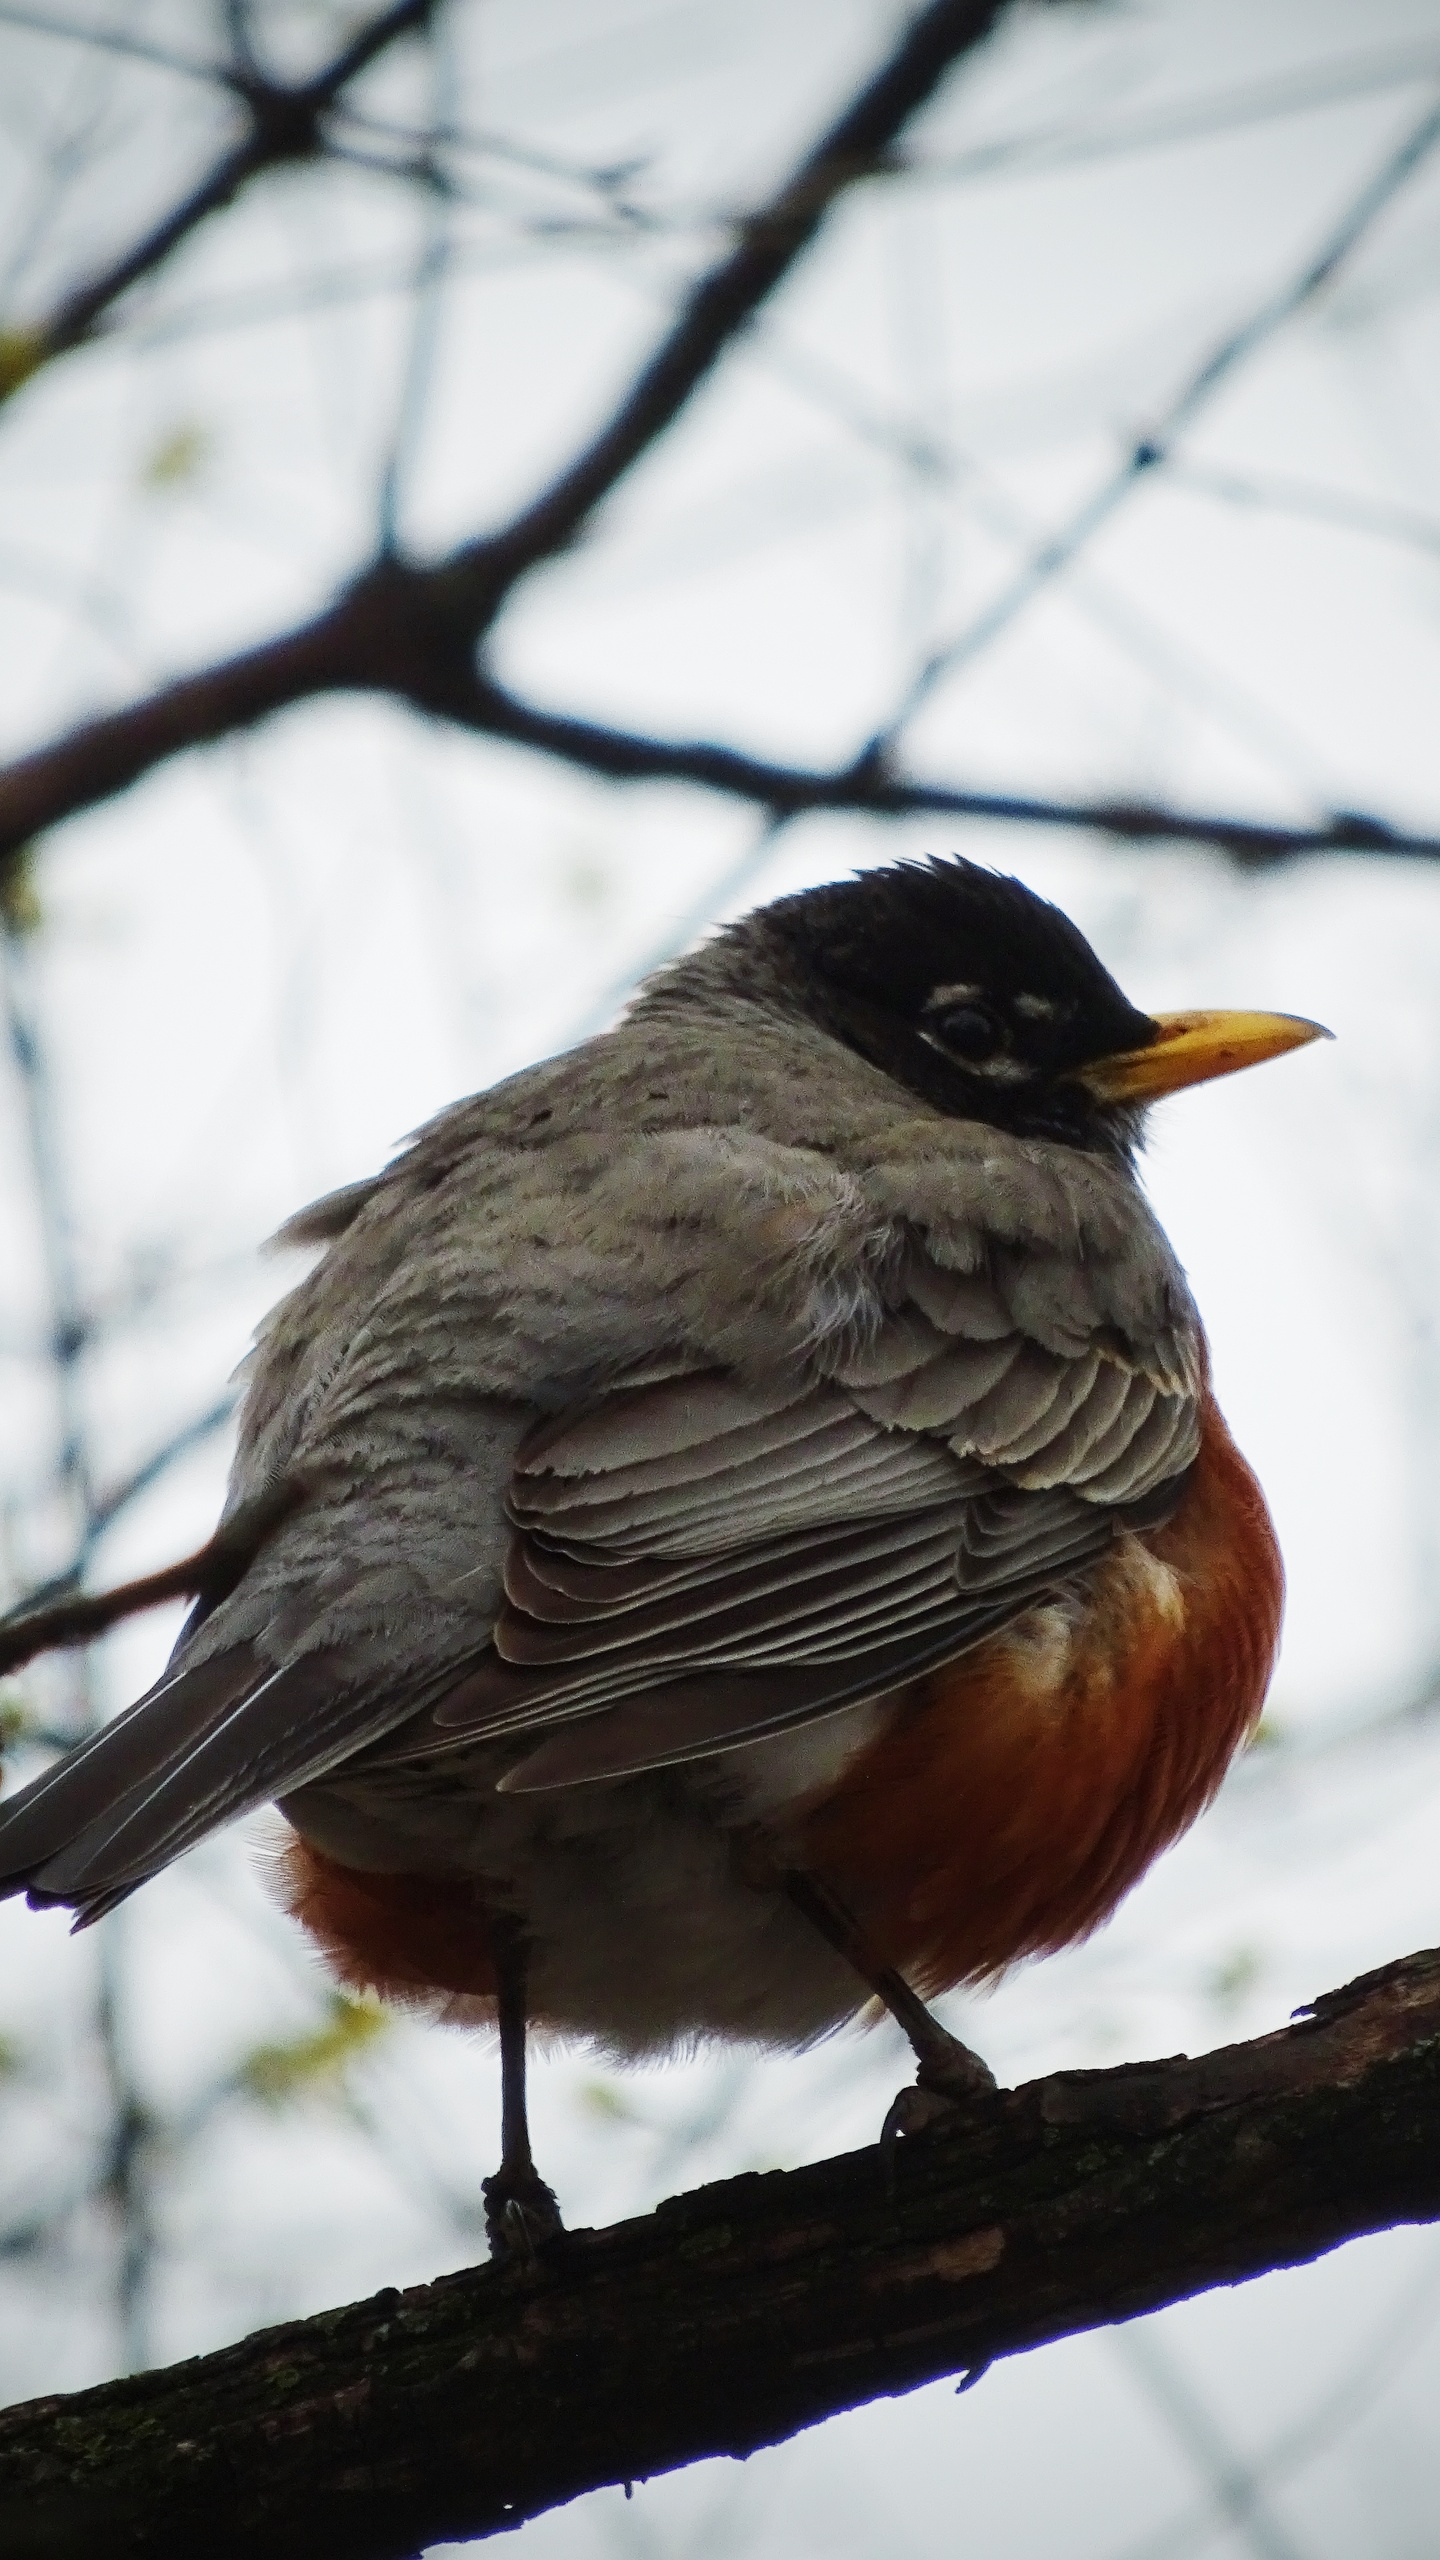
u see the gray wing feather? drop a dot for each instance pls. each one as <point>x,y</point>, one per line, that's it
<point>207,1745</point>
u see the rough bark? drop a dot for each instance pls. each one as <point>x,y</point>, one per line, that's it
<point>737,2315</point>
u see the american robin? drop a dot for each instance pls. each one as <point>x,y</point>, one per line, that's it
<point>735,1521</point>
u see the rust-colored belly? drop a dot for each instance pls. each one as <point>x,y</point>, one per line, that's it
<point>1023,1790</point>
<point>405,1936</point>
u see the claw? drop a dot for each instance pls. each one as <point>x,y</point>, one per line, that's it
<point>914,2110</point>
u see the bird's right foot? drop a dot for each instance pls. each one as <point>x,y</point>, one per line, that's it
<point>949,2079</point>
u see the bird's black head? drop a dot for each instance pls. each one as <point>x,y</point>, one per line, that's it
<point>962,985</point>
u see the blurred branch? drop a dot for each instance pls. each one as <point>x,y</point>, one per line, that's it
<point>771,241</point>
<point>1369,2372</point>
<point>872,788</point>
<point>412,629</point>
<point>427,299</point>
<point>81,1616</point>
<point>609,180</point>
<point>394,632</point>
<point>284,123</point>
<point>366,639</point>
<point>735,2316</point>
<point>1236,2493</point>
<point>116,40</point>
<point>1151,450</point>
<point>1312,503</point>
<point>1015,155</point>
<point>212,1572</point>
<point>105,1508</point>
<point>1185,119</point>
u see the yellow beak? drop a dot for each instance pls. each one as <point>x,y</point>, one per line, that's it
<point>1193,1047</point>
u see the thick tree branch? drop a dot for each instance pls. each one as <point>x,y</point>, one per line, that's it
<point>402,630</point>
<point>735,2316</point>
<point>284,123</point>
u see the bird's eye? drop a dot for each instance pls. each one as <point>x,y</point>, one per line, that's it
<point>968,1031</point>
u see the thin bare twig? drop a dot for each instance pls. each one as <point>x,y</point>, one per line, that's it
<point>1152,449</point>
<point>1184,119</point>
<point>1377,519</point>
<point>106,1508</point>
<point>1370,2371</point>
<point>81,1615</point>
<point>870,787</point>
<point>115,40</point>
<point>431,271</point>
<point>284,123</point>
<point>1236,2490</point>
<point>724,301</point>
<point>212,1571</point>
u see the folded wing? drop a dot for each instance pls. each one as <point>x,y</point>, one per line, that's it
<point>697,1561</point>
<point>700,1562</point>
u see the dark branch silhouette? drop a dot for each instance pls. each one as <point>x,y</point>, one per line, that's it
<point>393,632</point>
<point>872,787</point>
<point>737,2315</point>
<point>412,629</point>
<point>365,640</point>
<point>284,123</point>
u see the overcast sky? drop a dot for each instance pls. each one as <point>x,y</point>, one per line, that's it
<point>263,966</point>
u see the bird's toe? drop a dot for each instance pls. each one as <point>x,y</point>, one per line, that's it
<point>950,2078</point>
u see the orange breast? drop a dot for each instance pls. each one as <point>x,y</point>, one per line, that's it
<point>1024,1789</point>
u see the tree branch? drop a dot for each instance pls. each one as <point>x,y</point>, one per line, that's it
<point>1152,451</point>
<point>82,1615</point>
<point>399,630</point>
<point>870,787</point>
<point>737,2315</point>
<point>349,647</point>
<point>212,1572</point>
<point>729,296</point>
<point>285,123</point>
<point>412,629</point>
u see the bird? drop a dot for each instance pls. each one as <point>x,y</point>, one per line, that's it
<point>733,1531</point>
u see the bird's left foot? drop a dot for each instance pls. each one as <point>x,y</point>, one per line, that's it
<point>521,2213</point>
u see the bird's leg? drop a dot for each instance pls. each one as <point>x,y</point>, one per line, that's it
<point>948,2071</point>
<point>520,2210</point>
